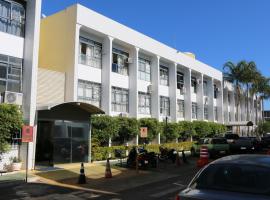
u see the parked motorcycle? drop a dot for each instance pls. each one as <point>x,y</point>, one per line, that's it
<point>145,159</point>
<point>167,154</point>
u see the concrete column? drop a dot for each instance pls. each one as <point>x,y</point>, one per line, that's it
<point>172,91</point>
<point>155,104</point>
<point>187,95</point>
<point>133,83</point>
<point>232,106</point>
<point>106,75</point>
<point>200,101</point>
<point>220,103</point>
<point>225,103</point>
<point>210,88</point>
<point>30,68</point>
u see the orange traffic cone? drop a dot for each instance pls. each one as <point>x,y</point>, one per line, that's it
<point>108,172</point>
<point>178,161</point>
<point>204,157</point>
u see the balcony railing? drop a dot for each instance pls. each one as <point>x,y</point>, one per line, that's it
<point>90,61</point>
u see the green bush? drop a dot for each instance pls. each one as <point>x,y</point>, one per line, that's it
<point>11,120</point>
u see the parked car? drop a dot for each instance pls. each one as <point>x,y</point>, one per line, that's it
<point>216,146</point>
<point>239,144</point>
<point>236,177</point>
<point>257,143</point>
<point>265,142</point>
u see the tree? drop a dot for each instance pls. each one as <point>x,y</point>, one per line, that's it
<point>202,128</point>
<point>188,129</point>
<point>153,127</point>
<point>263,127</point>
<point>104,127</point>
<point>11,120</point>
<point>128,129</point>
<point>170,132</point>
<point>233,73</point>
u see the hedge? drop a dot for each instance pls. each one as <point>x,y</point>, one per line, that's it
<point>102,153</point>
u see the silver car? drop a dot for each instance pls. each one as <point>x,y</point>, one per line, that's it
<point>237,177</point>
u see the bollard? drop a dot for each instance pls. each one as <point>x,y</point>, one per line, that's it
<point>82,178</point>
<point>108,172</point>
<point>204,157</point>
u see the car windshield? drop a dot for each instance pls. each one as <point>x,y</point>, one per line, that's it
<point>219,141</point>
<point>235,178</point>
<point>232,136</point>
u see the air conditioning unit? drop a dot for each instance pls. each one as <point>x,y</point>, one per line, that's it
<point>13,98</point>
<point>129,60</point>
<point>149,89</point>
<point>123,115</point>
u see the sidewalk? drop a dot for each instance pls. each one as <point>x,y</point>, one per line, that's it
<point>122,178</point>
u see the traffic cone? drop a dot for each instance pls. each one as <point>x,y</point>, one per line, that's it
<point>204,157</point>
<point>82,178</point>
<point>108,172</point>
<point>178,161</point>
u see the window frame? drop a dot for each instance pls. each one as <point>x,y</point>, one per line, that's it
<point>194,84</point>
<point>180,81</point>
<point>144,106</point>
<point>146,63</point>
<point>164,106</point>
<point>117,67</point>
<point>180,108</point>
<point>123,103</point>
<point>163,75</point>
<point>194,108</point>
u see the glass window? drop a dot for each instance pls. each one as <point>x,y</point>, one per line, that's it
<point>12,17</point>
<point>206,112</point>
<point>164,75</point>
<point>194,110</point>
<point>180,81</point>
<point>144,103</point>
<point>215,91</point>
<point>216,113</point>
<point>90,53</point>
<point>10,74</point>
<point>144,70</point>
<point>180,108</point>
<point>120,62</point>
<point>120,100</point>
<point>205,93</point>
<point>89,92</point>
<point>164,106</point>
<point>193,84</point>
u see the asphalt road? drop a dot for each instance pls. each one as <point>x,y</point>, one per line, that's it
<point>166,189</point>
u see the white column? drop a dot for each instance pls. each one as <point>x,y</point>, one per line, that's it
<point>225,103</point>
<point>30,70</point>
<point>232,106</point>
<point>172,91</point>
<point>210,88</point>
<point>133,83</point>
<point>106,75</point>
<point>200,100</point>
<point>187,95</point>
<point>220,103</point>
<point>155,104</point>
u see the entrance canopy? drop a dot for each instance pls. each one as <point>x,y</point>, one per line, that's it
<point>242,123</point>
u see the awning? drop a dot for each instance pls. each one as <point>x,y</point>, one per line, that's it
<point>241,123</point>
<point>91,109</point>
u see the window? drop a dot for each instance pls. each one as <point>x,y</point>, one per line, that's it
<point>90,53</point>
<point>180,81</point>
<point>89,92</point>
<point>216,113</point>
<point>119,99</point>
<point>205,93</point>
<point>144,103</point>
<point>12,18</point>
<point>206,112</point>
<point>164,75</point>
<point>193,84</point>
<point>164,106</point>
<point>144,70</point>
<point>194,110</point>
<point>180,108</point>
<point>120,62</point>
<point>10,74</point>
<point>215,91</point>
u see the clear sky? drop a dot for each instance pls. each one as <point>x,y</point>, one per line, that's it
<point>215,30</point>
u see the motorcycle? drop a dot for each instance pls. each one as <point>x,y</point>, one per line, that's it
<point>145,159</point>
<point>167,154</point>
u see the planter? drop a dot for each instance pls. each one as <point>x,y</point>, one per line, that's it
<point>16,166</point>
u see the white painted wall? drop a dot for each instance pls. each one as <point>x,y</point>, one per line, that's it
<point>89,73</point>
<point>11,45</point>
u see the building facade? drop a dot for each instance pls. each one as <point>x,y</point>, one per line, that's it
<point>19,39</point>
<point>88,63</point>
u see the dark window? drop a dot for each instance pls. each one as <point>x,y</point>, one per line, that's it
<point>164,75</point>
<point>194,84</point>
<point>180,80</point>
<point>120,62</point>
<point>215,91</point>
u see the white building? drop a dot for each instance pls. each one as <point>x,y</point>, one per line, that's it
<point>89,63</point>
<point>19,44</point>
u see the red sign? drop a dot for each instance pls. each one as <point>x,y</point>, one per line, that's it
<point>27,134</point>
<point>144,132</point>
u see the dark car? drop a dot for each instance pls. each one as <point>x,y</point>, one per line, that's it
<point>237,177</point>
<point>239,144</point>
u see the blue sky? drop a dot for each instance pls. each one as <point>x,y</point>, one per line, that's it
<point>216,31</point>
